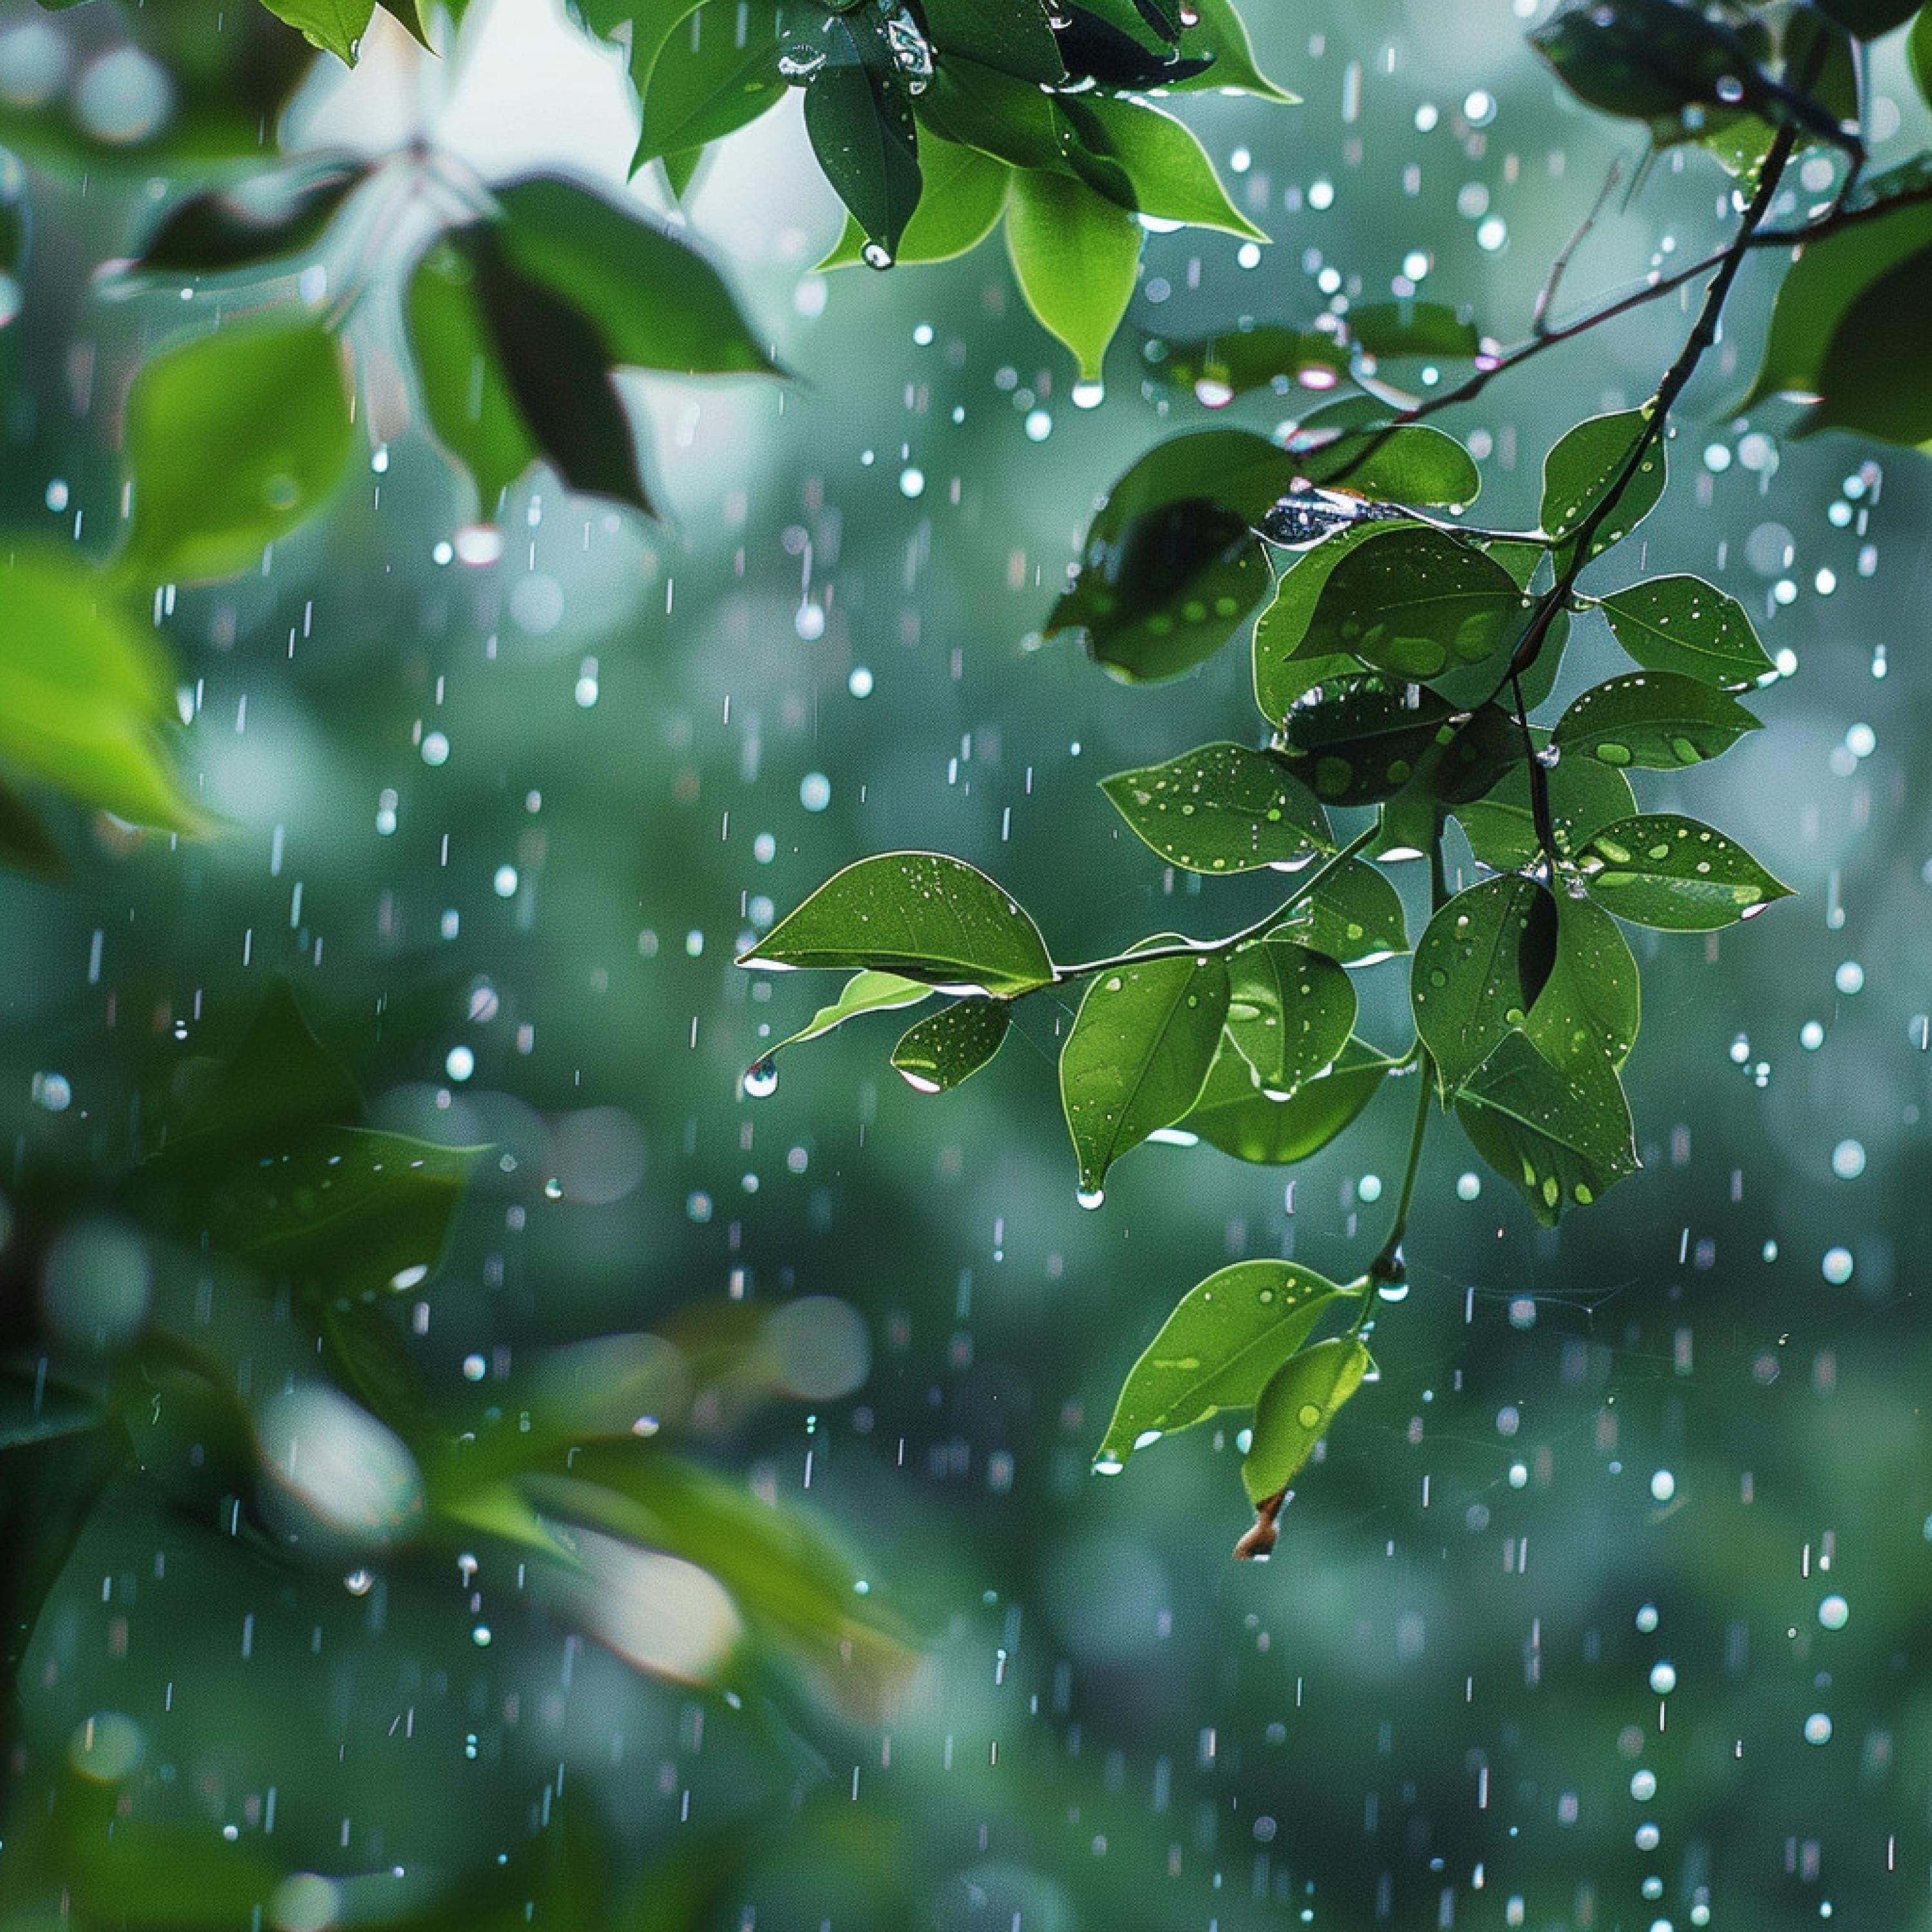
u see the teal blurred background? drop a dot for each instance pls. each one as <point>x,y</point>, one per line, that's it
<point>1606,1607</point>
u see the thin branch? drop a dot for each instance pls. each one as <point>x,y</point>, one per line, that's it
<point>1560,267</point>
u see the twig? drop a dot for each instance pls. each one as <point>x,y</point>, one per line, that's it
<point>1560,267</point>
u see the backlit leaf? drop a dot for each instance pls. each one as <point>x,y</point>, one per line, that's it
<point>864,993</point>
<point>1297,1408</point>
<point>965,196</point>
<point>1075,254</point>
<point>1290,1011</point>
<point>336,26</point>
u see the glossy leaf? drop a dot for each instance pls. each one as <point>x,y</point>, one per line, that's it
<point>233,439</point>
<point>1217,368</point>
<point>1297,1408</point>
<point>1684,625</point>
<point>715,70</point>
<point>261,219</point>
<point>1233,1115</point>
<point>1290,1012</point>
<point>1075,254</point>
<point>1868,19</point>
<point>1218,1350</point>
<point>1222,808</point>
<point>1287,662</point>
<point>864,993</point>
<point>1138,1054</point>
<point>1658,719</point>
<point>1353,445</point>
<point>1390,330</point>
<point>953,1044</point>
<point>1650,61</point>
<point>920,915</point>
<point>1588,465</point>
<point>1591,1000</point>
<point>335,26</point>
<point>1562,1135</point>
<point>1150,164</point>
<point>1584,796</point>
<point>1171,564</point>
<point>860,121</point>
<point>1359,740</point>
<point>1216,33</point>
<point>1353,914</point>
<point>964,197</point>
<point>85,696</point>
<point>1663,870</point>
<point>1478,969</point>
<point>1014,37</point>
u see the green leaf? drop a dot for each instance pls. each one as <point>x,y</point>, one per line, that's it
<point>233,439</point>
<point>1683,624</point>
<point>655,300</point>
<point>1217,33</point>
<point>1172,565</point>
<point>469,403</point>
<point>1221,808</point>
<point>1075,254</point>
<point>1584,796</point>
<point>1290,1012</point>
<point>279,1077</point>
<point>1391,330</point>
<point>1655,718</point>
<point>1353,915</point>
<point>860,119</point>
<point>1152,164</point>
<point>1359,740</point>
<point>1217,1350</point>
<point>1233,1115</point>
<point>1871,378</point>
<point>1868,19</point>
<point>1002,116</point>
<point>713,72</point>
<point>1217,368</point>
<point>1590,1003</point>
<point>1287,664</point>
<point>960,204</point>
<point>32,1410</point>
<point>1585,468</point>
<point>336,26</point>
<point>1478,971</point>
<point>84,697</point>
<point>1353,445</point>
<point>1414,602</point>
<point>1660,869</point>
<point>26,843</point>
<point>1297,1408</point>
<point>1138,1054</point>
<point>1918,54</point>
<point>1561,1134</point>
<point>1013,37</point>
<point>919,914</point>
<point>366,1353</point>
<point>261,219</point>
<point>1469,756</point>
<point>951,1045</point>
<point>864,993</point>
<point>1650,61</point>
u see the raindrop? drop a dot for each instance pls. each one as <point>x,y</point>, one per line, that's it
<point>762,1081</point>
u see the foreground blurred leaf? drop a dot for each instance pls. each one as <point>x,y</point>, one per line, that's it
<point>261,218</point>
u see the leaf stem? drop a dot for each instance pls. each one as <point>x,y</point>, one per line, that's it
<point>1188,949</point>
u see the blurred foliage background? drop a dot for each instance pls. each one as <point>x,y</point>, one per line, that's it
<point>1606,1608</point>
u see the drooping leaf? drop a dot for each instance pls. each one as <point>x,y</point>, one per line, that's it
<point>1590,463</point>
<point>1172,565</point>
<point>1663,870</point>
<point>920,915</point>
<point>84,697</point>
<point>1138,1054</point>
<point>1150,164</point>
<point>964,197</point>
<point>233,439</point>
<point>335,26</point>
<point>1659,719</point>
<point>1297,1408</point>
<point>1233,1115</point>
<point>1353,914</point>
<point>1222,808</point>
<point>1218,1350</point>
<point>656,301</point>
<point>1217,35</point>
<point>1584,796</point>
<point>1684,625</point>
<point>1290,1012</point>
<point>1359,741</point>
<point>1591,1002</point>
<point>1100,43</point>
<point>865,992</point>
<point>1478,969</point>
<point>1075,254</point>
<point>1561,1135</point>
<point>713,70</point>
<point>859,115</point>
<point>953,1044</point>
<point>263,218</point>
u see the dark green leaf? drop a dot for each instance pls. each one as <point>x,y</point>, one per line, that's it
<point>1584,796</point>
<point>1358,739</point>
<point>1590,1003</point>
<point>951,1045</point>
<point>1353,915</point>
<point>336,26</point>
<point>1919,53</point>
<point>860,117</point>
<point>1099,42</point>
<point>233,439</point>
<point>1478,968</point>
<point>34,1409</point>
<point>710,73</point>
<point>280,1078</point>
<point>919,914</point>
<point>965,196</point>
<point>1290,1012</point>
<point>656,301</point>
<point>1222,808</point>
<point>1868,19</point>
<point>1655,60</point>
<point>1561,1134</point>
<point>26,843</point>
<point>1217,1350</point>
<point>1655,718</point>
<point>1683,624</point>
<point>1288,665</point>
<point>261,219</point>
<point>1393,329</point>
<point>1012,35</point>
<point>1352,445</point>
<point>1663,870</point>
<point>1137,1053</point>
<point>1000,115</point>
<point>1469,758</point>
<point>1218,368</point>
<point>1297,1408</point>
<point>366,1350</point>
<point>1075,254</point>
<point>1872,378</point>
<point>1152,164</point>
<point>1171,564</point>
<point>864,993</point>
<point>1589,465</point>
<point>1233,1115</point>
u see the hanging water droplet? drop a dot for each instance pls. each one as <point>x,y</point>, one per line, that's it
<point>800,61</point>
<point>877,255</point>
<point>762,1081</point>
<point>1090,1197</point>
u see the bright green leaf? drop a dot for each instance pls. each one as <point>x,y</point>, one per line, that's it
<point>1353,915</point>
<point>864,993</point>
<point>1152,164</point>
<point>1658,719</point>
<point>960,204</point>
<point>1589,465</point>
<point>1290,1012</point>
<point>1660,869</point>
<point>1233,1115</point>
<point>1217,32</point>
<point>1353,445</point>
<point>715,69</point>
<point>953,1044</point>
<point>1297,1408</point>
<point>1591,1002</point>
<point>1478,969</point>
<point>336,26</point>
<point>1076,255</point>
<point>1221,808</point>
<point>1683,624</point>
